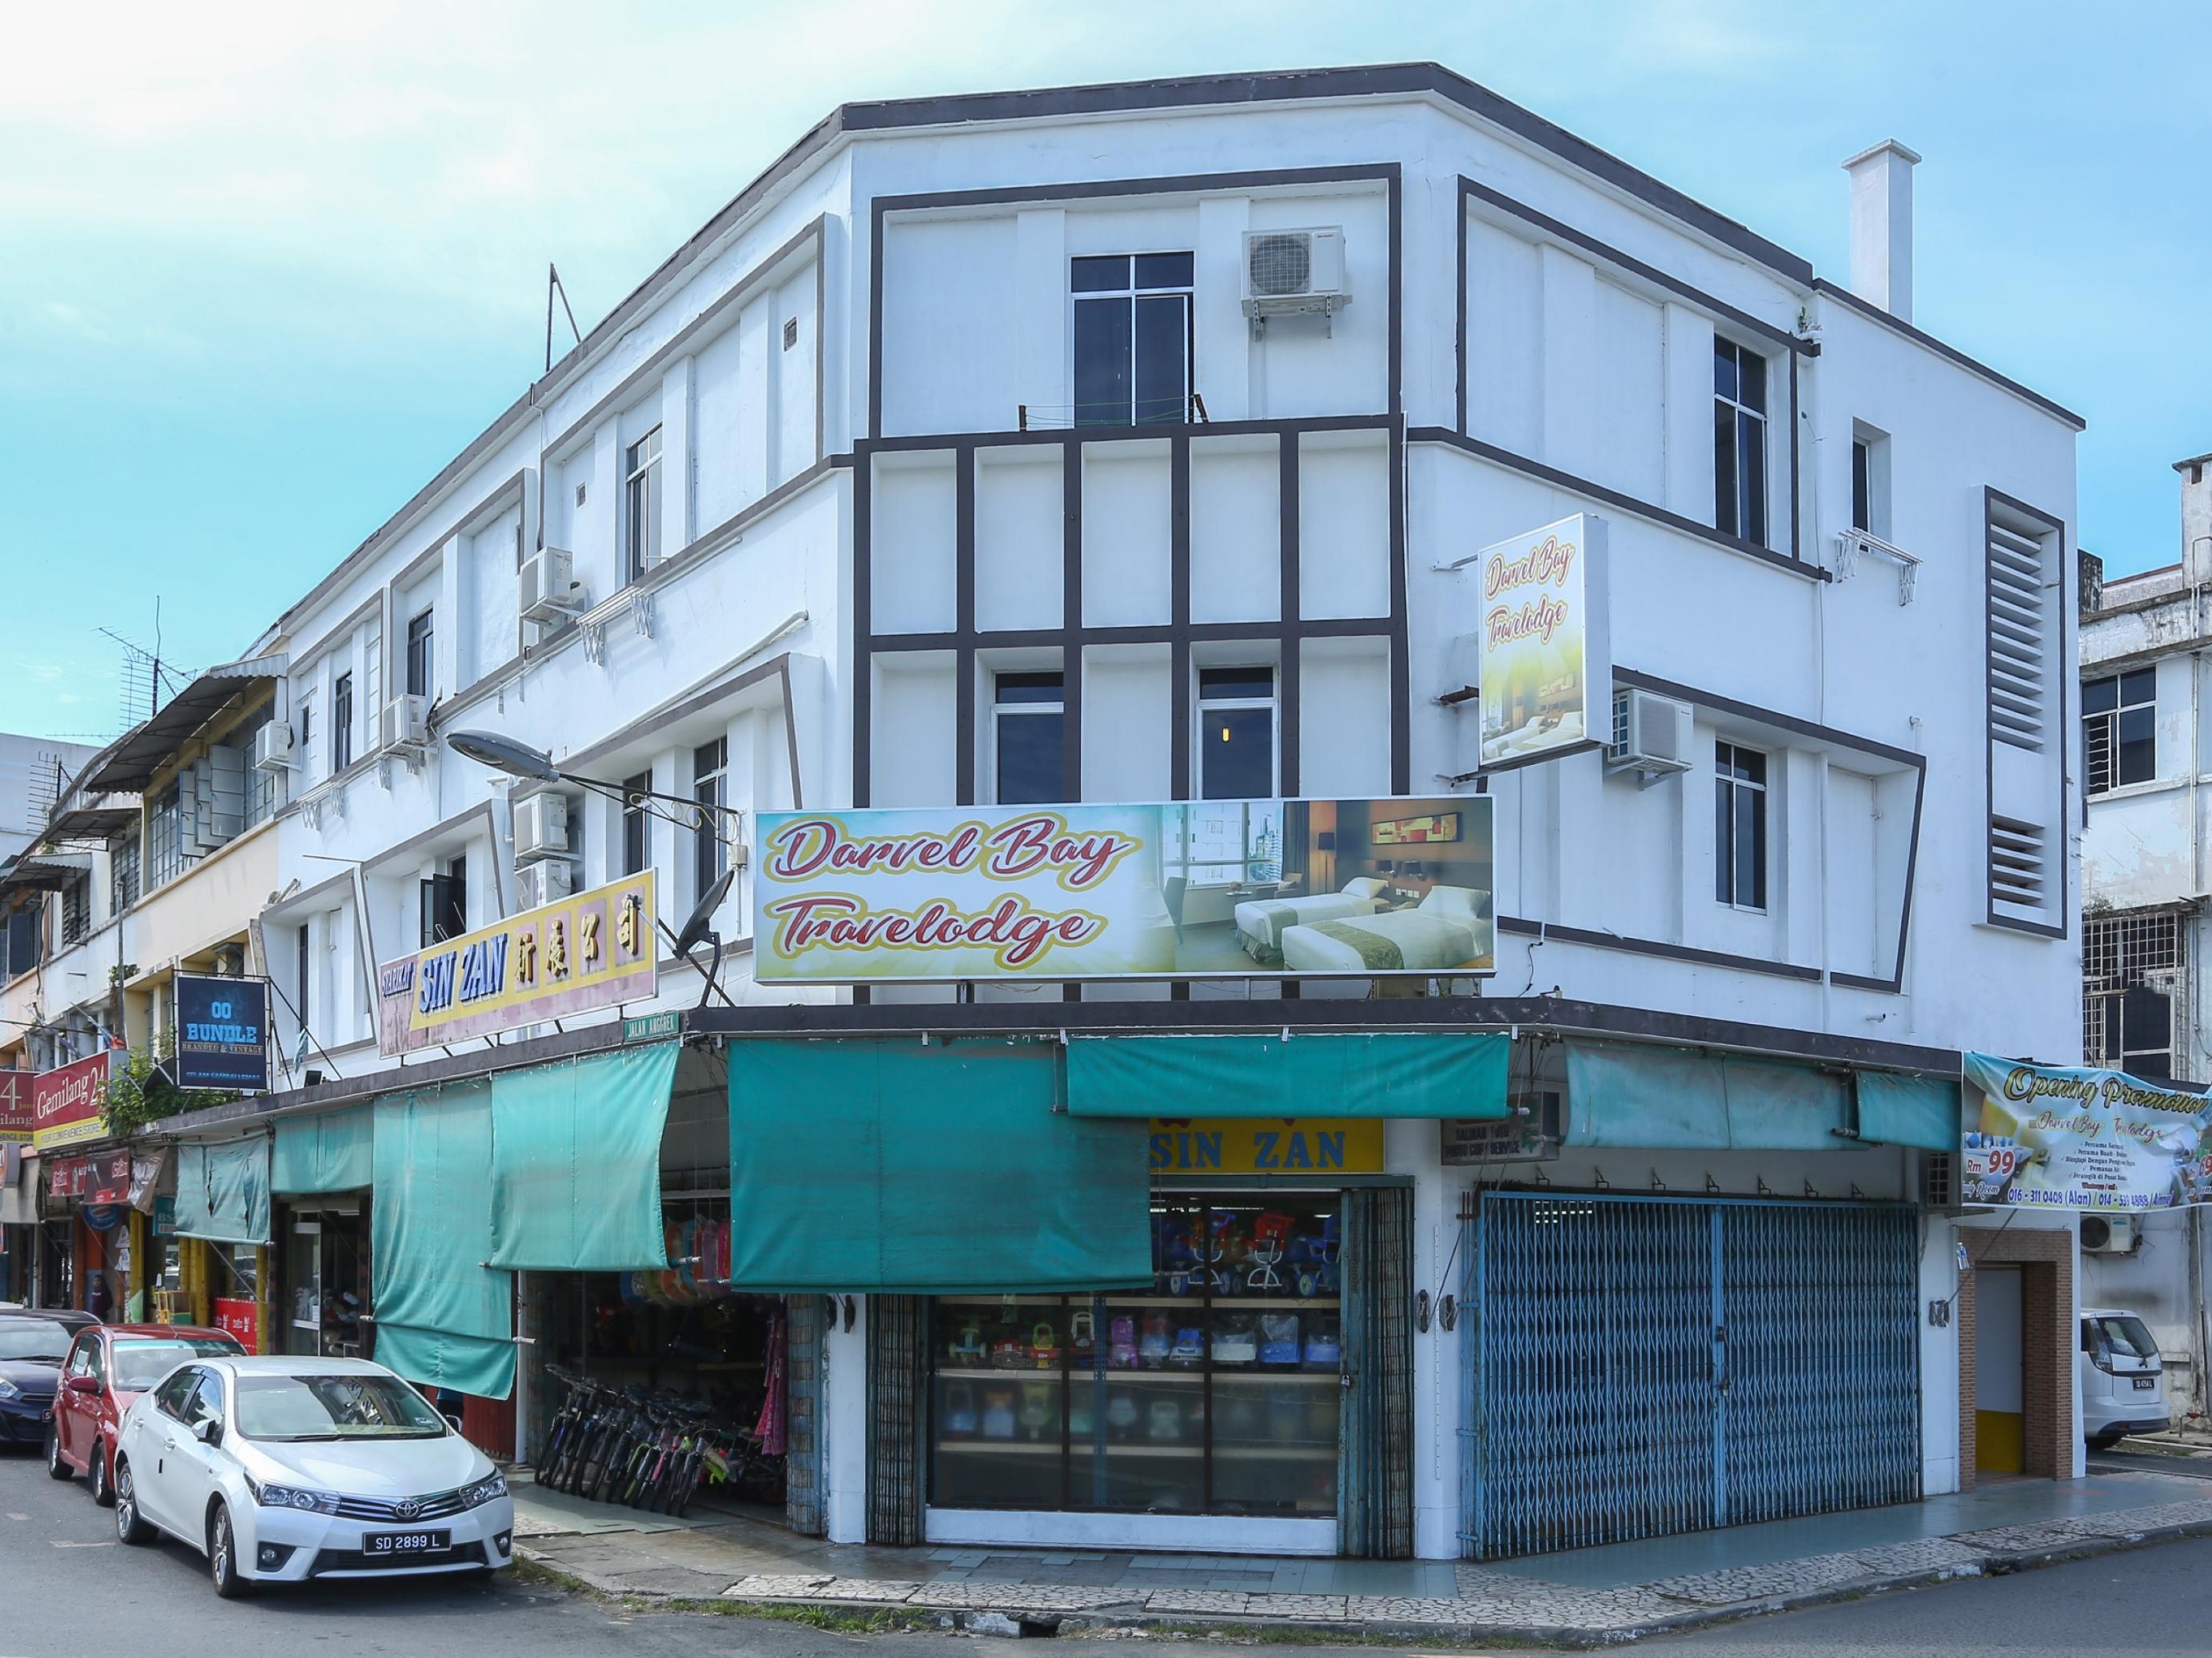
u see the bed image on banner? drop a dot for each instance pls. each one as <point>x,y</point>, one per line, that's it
<point>2054,1136</point>
<point>1347,889</point>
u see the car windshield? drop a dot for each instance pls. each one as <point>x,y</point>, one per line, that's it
<point>2126,1337</point>
<point>345,1406</point>
<point>33,1337</point>
<point>140,1365</point>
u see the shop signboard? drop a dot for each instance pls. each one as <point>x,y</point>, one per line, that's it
<point>1265,1146</point>
<point>222,1034</point>
<point>65,1102</point>
<point>1542,645</point>
<point>16,1120</point>
<point>1185,889</point>
<point>241,1318</point>
<point>2056,1137</point>
<point>593,950</point>
<point>104,1177</point>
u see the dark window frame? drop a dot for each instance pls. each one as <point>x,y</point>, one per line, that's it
<point>2119,729</point>
<point>422,645</point>
<point>1025,700</point>
<point>341,722</point>
<point>641,504</point>
<point>1741,475</point>
<point>1111,326</point>
<point>1224,701</point>
<point>1740,826</point>
<point>710,853</point>
<point>637,823</point>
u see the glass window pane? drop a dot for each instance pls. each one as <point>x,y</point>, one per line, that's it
<point>998,1390</point>
<point>1276,1354</point>
<point>1102,362</point>
<point>2101,696</point>
<point>2140,686</point>
<point>1235,682</point>
<point>1236,754</point>
<point>1862,489</point>
<point>1752,376</point>
<point>1030,747</point>
<point>1751,763</point>
<point>1163,270</point>
<point>1162,380</point>
<point>1098,276</point>
<point>1724,843</point>
<point>1725,519</point>
<point>2146,1021</point>
<point>2135,759</point>
<point>1752,436</point>
<point>1028,687</point>
<point>1751,847</point>
<point>1724,379</point>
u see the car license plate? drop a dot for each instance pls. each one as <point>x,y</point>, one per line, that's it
<point>406,1542</point>
<point>2146,1384</point>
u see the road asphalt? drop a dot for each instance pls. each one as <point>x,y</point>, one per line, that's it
<point>65,1577</point>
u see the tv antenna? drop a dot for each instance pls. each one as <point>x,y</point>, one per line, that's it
<point>147,680</point>
<point>555,285</point>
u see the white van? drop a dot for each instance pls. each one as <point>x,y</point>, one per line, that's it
<point>2123,1389</point>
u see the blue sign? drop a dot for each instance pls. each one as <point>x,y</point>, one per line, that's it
<point>222,1034</point>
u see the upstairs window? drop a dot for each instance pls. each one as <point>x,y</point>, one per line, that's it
<point>1738,441</point>
<point>342,722</point>
<point>445,900</point>
<point>165,838</point>
<point>76,909</point>
<point>22,941</point>
<point>710,765</point>
<point>1134,338</point>
<point>1236,746</point>
<point>1028,726</point>
<point>2119,729</point>
<point>421,635</point>
<point>1739,826</point>
<point>642,502</point>
<point>123,872</point>
<point>635,824</point>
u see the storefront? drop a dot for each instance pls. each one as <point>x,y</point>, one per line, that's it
<point>321,1176</point>
<point>223,1232</point>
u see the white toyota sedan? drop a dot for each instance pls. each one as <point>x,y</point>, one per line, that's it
<point>283,1469</point>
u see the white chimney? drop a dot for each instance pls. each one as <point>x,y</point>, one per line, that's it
<point>1881,226</point>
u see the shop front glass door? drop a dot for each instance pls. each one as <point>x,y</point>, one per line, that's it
<point>303,1280</point>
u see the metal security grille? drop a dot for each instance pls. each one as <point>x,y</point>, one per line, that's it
<point>2136,1002</point>
<point>1640,1367</point>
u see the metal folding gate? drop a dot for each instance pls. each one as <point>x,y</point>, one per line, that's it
<point>1636,1367</point>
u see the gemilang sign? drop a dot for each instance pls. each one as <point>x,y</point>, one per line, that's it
<point>1546,664</point>
<point>65,1102</point>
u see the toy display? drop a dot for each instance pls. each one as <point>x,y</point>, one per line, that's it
<point>1279,1337</point>
<point>1236,1340</point>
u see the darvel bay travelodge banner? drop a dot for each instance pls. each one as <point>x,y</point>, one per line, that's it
<point>1182,890</point>
<point>2050,1136</point>
<point>592,950</point>
<point>1543,643</point>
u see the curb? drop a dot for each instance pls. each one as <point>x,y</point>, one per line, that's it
<point>1013,1619</point>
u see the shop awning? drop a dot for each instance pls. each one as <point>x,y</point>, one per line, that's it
<point>892,1166</point>
<point>129,762</point>
<point>333,1152</point>
<point>1621,1094</point>
<point>1922,1111</point>
<point>576,1163</point>
<point>44,872</point>
<point>443,1318</point>
<point>1353,1074</point>
<point>223,1190</point>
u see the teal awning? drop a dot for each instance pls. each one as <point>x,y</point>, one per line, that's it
<point>223,1190</point>
<point>1327,1074</point>
<point>443,1318</point>
<point>333,1152</point>
<point>887,1165</point>
<point>576,1163</point>
<point>1922,1111</point>
<point>1669,1098</point>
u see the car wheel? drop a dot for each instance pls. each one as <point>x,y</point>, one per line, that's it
<point>129,1527</point>
<point>102,1493</point>
<point>56,1468</point>
<point>222,1556</point>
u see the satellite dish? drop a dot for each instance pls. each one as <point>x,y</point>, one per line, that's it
<point>503,753</point>
<point>702,913</point>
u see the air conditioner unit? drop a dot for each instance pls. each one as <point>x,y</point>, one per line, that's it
<point>273,747</point>
<point>2108,1235</point>
<point>1294,272</point>
<point>405,724</point>
<point>549,585</point>
<point>547,881</point>
<point>541,827</point>
<point>1652,736</point>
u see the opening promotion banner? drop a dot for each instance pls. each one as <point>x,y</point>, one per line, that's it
<point>2050,1136</point>
<point>1546,663</point>
<point>1223,889</point>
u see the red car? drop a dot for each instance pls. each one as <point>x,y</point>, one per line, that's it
<point>108,1367</point>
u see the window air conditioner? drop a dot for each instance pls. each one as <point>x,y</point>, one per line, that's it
<point>549,585</point>
<point>1293,272</point>
<point>273,747</point>
<point>405,724</point>
<point>541,827</point>
<point>546,881</point>
<point>2108,1235</point>
<point>1652,736</point>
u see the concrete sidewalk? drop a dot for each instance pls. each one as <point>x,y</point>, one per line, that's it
<point>1585,1598</point>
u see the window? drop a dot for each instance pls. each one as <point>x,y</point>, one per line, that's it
<point>303,980</point>
<point>709,766</point>
<point>261,796</point>
<point>637,823</point>
<point>2119,729</point>
<point>165,839</point>
<point>1738,441</point>
<point>1028,731</point>
<point>1740,827</point>
<point>1134,339</point>
<point>2132,973</point>
<point>307,729</point>
<point>123,872</point>
<point>342,722</point>
<point>446,903</point>
<point>170,1397</point>
<point>641,502</point>
<point>76,909</point>
<point>1237,840</point>
<point>22,941</point>
<point>1235,736</point>
<point>420,636</point>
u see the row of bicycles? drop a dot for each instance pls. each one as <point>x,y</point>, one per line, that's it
<point>648,1450</point>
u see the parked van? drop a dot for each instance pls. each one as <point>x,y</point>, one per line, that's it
<point>2121,1378</point>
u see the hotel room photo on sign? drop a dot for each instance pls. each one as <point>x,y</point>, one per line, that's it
<point>1174,890</point>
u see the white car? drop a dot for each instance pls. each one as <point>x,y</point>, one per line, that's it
<point>2121,1378</point>
<point>283,1469</point>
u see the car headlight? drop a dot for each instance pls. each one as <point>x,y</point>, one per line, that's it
<point>292,1496</point>
<point>484,1492</point>
<point>9,1389</point>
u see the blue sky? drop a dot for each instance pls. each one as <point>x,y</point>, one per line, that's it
<point>264,270</point>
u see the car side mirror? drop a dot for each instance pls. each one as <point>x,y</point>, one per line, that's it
<point>81,1384</point>
<point>207,1431</point>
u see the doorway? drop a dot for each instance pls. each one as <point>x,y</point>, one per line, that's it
<point>2000,1371</point>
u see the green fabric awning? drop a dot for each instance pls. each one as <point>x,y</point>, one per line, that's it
<point>223,1190</point>
<point>443,1319</point>
<point>1671,1098</point>
<point>901,1168</point>
<point>576,1163</point>
<point>1920,1111</point>
<point>333,1152</point>
<point>1354,1074</point>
